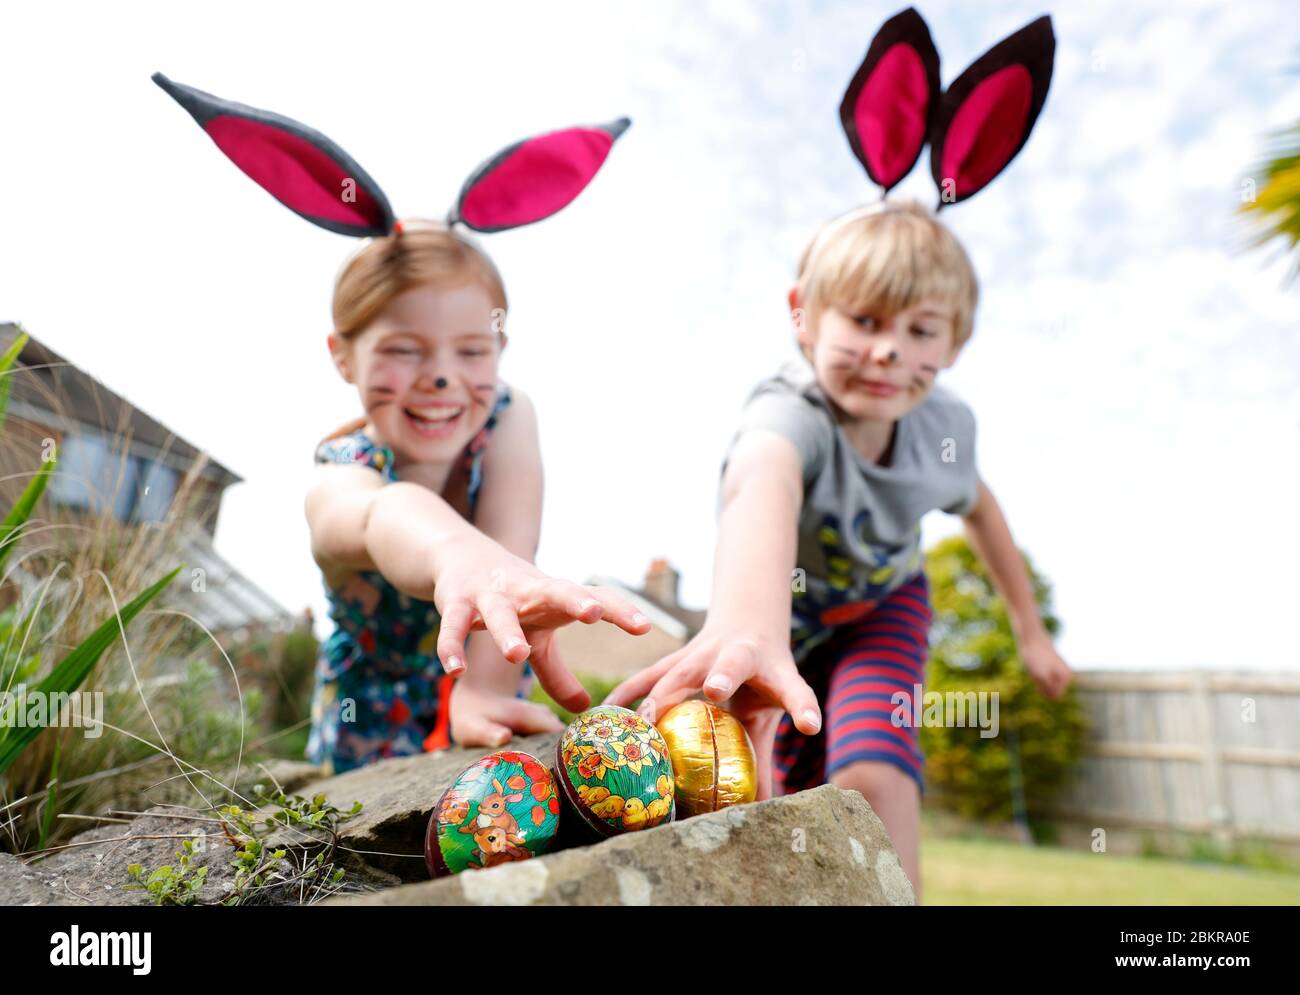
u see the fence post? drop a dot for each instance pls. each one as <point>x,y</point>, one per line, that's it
<point>1219,814</point>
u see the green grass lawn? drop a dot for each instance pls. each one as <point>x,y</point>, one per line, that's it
<point>994,872</point>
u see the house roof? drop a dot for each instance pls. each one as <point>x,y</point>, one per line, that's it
<point>230,600</point>
<point>85,402</point>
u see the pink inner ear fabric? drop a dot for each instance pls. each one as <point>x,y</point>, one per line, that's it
<point>987,128</point>
<point>537,178</point>
<point>891,113</point>
<point>294,171</point>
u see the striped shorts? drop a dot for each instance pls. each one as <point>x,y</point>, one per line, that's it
<point>854,673</point>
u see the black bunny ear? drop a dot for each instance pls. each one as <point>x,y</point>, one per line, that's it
<point>297,165</point>
<point>888,110</point>
<point>986,115</point>
<point>532,179</point>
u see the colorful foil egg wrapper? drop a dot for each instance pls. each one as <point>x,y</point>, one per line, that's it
<point>499,809</point>
<point>613,770</point>
<point>713,760</point>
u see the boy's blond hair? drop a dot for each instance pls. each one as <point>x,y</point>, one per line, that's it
<point>884,258</point>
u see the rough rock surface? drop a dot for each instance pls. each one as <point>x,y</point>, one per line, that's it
<point>819,847</point>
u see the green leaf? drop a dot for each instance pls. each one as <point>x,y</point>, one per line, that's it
<point>6,366</point>
<point>22,509</point>
<point>74,668</point>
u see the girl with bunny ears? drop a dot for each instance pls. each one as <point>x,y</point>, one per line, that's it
<point>425,511</point>
<point>841,453</point>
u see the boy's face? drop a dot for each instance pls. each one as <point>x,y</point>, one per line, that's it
<point>427,336</point>
<point>875,366</point>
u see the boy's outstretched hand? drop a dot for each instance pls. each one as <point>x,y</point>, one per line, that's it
<point>481,585</point>
<point>1049,672</point>
<point>755,671</point>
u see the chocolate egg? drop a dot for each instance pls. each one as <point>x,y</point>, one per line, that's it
<point>713,760</point>
<point>501,808</point>
<point>613,771</point>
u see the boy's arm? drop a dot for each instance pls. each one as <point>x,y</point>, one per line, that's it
<point>746,636</point>
<point>762,493</point>
<point>743,651</point>
<point>990,537</point>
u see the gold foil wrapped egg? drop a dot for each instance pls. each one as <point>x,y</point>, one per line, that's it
<point>713,759</point>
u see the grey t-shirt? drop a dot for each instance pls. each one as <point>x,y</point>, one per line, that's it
<point>860,524</point>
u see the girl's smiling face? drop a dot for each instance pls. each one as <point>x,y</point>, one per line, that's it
<point>851,355</point>
<point>426,369</point>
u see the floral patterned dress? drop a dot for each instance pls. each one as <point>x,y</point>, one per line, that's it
<point>380,688</point>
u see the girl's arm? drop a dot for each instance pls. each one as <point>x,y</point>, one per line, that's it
<point>990,537</point>
<point>359,523</point>
<point>484,706</point>
<point>427,550</point>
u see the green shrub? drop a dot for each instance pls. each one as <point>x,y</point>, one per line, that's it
<point>972,649</point>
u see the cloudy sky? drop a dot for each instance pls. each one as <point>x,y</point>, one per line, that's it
<point>1135,375</point>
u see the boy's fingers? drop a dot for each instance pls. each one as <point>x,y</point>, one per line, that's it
<point>453,630</point>
<point>503,624</point>
<point>733,666</point>
<point>676,686</point>
<point>799,700</point>
<point>555,678</point>
<point>642,681</point>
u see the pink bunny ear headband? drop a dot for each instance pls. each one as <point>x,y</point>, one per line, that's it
<point>894,105</point>
<point>309,174</point>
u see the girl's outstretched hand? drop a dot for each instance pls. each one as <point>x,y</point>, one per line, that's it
<point>485,717</point>
<point>478,584</point>
<point>754,670</point>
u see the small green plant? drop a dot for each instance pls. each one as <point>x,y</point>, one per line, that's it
<point>259,870</point>
<point>172,885</point>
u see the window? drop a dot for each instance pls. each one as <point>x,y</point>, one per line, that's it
<point>88,477</point>
<point>79,479</point>
<point>156,490</point>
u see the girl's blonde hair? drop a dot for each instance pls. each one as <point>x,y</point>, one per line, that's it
<point>884,258</point>
<point>419,254</point>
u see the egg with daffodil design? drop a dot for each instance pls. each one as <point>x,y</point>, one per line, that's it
<point>614,771</point>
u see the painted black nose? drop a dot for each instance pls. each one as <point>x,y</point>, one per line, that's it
<point>440,383</point>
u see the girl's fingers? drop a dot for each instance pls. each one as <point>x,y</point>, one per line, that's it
<point>642,681</point>
<point>529,717</point>
<point>453,630</point>
<point>620,611</point>
<point>479,730</point>
<point>733,667</point>
<point>584,606</point>
<point>503,624</point>
<point>554,676</point>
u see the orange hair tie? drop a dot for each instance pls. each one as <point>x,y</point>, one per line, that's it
<point>397,228</point>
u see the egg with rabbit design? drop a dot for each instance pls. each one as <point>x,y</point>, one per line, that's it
<point>499,809</point>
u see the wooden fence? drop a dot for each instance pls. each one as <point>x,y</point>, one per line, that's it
<point>1198,751</point>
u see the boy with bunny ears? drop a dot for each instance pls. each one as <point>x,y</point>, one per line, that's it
<point>841,453</point>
